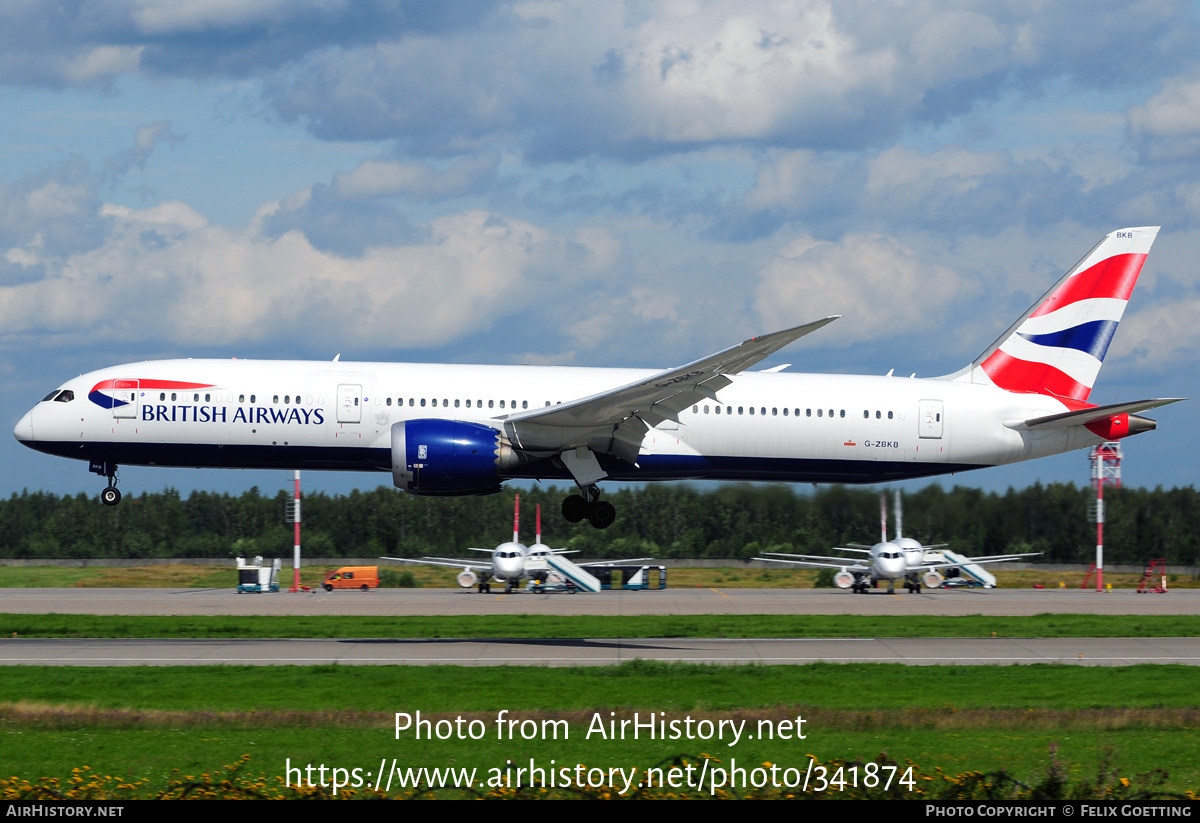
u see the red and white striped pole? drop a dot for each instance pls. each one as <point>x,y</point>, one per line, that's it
<point>296,547</point>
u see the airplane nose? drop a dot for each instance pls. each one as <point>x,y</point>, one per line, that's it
<point>23,431</point>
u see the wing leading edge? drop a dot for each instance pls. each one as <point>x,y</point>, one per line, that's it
<point>615,421</point>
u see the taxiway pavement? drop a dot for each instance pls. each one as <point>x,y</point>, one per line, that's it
<point>433,602</point>
<point>598,652</point>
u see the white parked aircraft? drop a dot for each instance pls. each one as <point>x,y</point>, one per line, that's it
<point>462,430</point>
<point>901,558</point>
<point>511,561</point>
<point>507,561</point>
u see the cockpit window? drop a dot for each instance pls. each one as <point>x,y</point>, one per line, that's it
<point>66,397</point>
<point>50,396</point>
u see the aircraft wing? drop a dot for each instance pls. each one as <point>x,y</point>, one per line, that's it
<point>439,561</point>
<point>622,562</point>
<point>629,411</point>
<point>818,562</point>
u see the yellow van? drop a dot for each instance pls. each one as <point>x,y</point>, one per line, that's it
<point>352,577</point>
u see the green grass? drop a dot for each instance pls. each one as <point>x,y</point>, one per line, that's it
<point>638,684</point>
<point>145,722</point>
<point>625,626</point>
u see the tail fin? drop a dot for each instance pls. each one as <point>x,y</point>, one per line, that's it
<point>899,516</point>
<point>1058,345</point>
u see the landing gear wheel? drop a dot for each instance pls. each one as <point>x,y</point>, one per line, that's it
<point>602,514</point>
<point>574,508</point>
<point>111,496</point>
<point>484,588</point>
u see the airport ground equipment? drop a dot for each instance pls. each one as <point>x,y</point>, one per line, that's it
<point>965,570</point>
<point>573,573</point>
<point>256,577</point>
<point>1154,578</point>
<point>352,577</point>
<point>634,576</point>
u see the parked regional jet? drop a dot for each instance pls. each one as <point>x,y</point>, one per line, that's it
<point>508,559</point>
<point>462,430</point>
<point>511,561</point>
<point>901,558</point>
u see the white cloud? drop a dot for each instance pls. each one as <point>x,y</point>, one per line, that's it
<point>172,16</point>
<point>881,287</point>
<point>1168,126</point>
<point>1159,338</point>
<point>166,273</point>
<point>386,178</point>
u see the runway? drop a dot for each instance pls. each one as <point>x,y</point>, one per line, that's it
<point>593,652</point>
<point>433,602</point>
<point>600,652</point>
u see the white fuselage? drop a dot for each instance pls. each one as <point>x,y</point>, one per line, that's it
<point>338,415</point>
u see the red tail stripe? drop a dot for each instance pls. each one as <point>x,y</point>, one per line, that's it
<point>1112,277</point>
<point>1012,374</point>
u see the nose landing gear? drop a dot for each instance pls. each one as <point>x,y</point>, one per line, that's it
<point>111,496</point>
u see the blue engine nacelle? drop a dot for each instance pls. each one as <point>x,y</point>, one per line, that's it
<point>445,457</point>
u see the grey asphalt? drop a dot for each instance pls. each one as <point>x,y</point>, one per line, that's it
<point>433,602</point>
<point>558,652</point>
<point>597,652</point>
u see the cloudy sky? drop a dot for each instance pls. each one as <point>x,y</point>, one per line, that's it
<point>635,183</point>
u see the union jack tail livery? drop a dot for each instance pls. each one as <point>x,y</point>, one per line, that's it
<point>1058,346</point>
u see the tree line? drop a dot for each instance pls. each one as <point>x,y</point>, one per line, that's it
<point>664,521</point>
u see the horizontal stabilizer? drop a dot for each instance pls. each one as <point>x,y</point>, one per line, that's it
<point>1084,416</point>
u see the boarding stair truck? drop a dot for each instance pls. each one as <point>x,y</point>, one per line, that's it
<point>257,578</point>
<point>573,573</point>
<point>972,574</point>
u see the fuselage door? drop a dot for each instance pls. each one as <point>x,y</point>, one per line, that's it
<point>125,399</point>
<point>349,409</point>
<point>930,419</point>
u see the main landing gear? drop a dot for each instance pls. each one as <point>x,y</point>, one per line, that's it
<point>111,496</point>
<point>600,513</point>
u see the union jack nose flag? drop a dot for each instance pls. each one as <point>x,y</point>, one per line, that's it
<point>1058,346</point>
